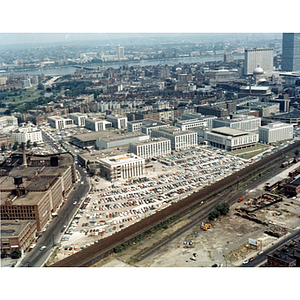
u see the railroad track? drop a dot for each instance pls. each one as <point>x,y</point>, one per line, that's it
<point>200,216</point>
<point>104,247</point>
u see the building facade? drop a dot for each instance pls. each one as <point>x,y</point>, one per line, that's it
<point>122,167</point>
<point>240,122</point>
<point>290,52</point>
<point>58,122</point>
<point>117,121</point>
<point>30,133</point>
<point>180,140</point>
<point>230,139</point>
<point>78,118</point>
<point>155,147</point>
<point>16,235</point>
<point>97,124</point>
<point>275,132</point>
<point>262,57</point>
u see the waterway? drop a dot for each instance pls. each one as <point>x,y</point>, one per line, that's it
<point>70,69</point>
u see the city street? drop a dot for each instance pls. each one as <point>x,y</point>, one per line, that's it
<point>53,234</point>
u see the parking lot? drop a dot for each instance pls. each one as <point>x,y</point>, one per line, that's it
<point>114,206</point>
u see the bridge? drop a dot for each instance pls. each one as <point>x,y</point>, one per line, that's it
<point>84,68</point>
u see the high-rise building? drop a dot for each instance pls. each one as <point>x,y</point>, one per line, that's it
<point>258,57</point>
<point>121,52</point>
<point>290,52</point>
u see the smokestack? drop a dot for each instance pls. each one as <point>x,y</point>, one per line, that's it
<point>24,155</point>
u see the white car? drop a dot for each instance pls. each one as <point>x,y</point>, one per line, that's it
<point>75,202</point>
<point>82,182</point>
<point>42,248</point>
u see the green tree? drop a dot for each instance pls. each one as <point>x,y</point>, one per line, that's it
<point>40,86</point>
<point>28,144</point>
<point>16,254</point>
<point>4,254</point>
<point>15,146</point>
<point>35,144</point>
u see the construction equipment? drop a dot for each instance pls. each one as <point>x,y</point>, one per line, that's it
<point>206,226</point>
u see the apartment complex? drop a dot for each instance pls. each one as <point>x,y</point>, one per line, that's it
<point>274,132</point>
<point>122,167</point>
<point>155,147</point>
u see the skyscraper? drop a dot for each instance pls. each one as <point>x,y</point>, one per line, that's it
<point>258,57</point>
<point>121,52</point>
<point>290,52</point>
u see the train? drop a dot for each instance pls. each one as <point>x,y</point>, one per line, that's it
<point>290,161</point>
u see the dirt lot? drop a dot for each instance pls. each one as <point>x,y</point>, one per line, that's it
<point>228,236</point>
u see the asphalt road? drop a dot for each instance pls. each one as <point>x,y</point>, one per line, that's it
<point>53,234</point>
<point>263,257</point>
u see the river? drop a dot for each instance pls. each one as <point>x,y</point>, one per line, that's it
<point>71,70</point>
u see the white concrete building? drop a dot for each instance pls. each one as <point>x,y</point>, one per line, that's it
<point>230,139</point>
<point>240,122</point>
<point>275,132</point>
<point>116,140</point>
<point>8,124</point>
<point>180,140</point>
<point>155,147</point>
<point>199,117</point>
<point>134,126</point>
<point>117,121</point>
<point>122,167</point>
<point>78,118</point>
<point>29,133</point>
<point>187,124</point>
<point>148,125</point>
<point>97,124</point>
<point>58,122</point>
<point>258,57</point>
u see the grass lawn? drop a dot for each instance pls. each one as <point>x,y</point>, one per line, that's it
<point>248,153</point>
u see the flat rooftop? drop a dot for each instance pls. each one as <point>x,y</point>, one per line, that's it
<point>150,141</point>
<point>10,229</point>
<point>119,159</point>
<point>123,136</point>
<point>229,131</point>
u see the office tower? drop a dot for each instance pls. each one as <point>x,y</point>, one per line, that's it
<point>121,52</point>
<point>262,57</point>
<point>290,52</point>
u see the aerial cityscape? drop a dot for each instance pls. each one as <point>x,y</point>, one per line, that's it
<point>150,149</point>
